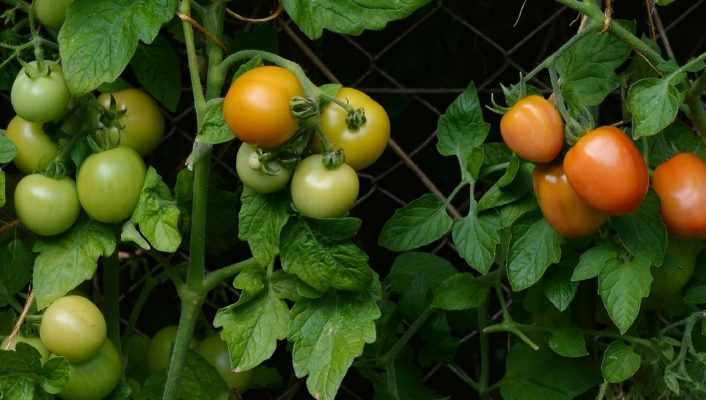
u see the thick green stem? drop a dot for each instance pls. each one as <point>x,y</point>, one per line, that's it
<point>216,277</point>
<point>392,354</point>
<point>196,87</point>
<point>111,292</point>
<point>484,378</point>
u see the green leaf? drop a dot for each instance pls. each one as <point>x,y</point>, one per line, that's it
<point>568,341</point>
<point>643,231</point>
<point>696,295</point>
<point>3,200</point>
<point>252,330</point>
<point>327,334</point>
<point>22,375</point>
<point>406,382</point>
<point>289,287</point>
<point>460,291</point>
<point>532,253</point>
<point>622,288</point>
<point>67,260</point>
<point>558,287</point>
<point>512,185</point>
<point>461,128</point>
<point>476,239</point>
<point>593,261</point>
<point>620,362</point>
<point>251,281</point>
<point>262,218</point>
<point>676,138</point>
<point>319,261</point>
<point>131,234</point>
<point>214,129</point>
<point>654,104</point>
<point>15,269</point>
<point>528,377</point>
<point>157,214</point>
<point>512,212</point>
<point>438,342</point>
<point>349,17</point>
<point>99,37</point>
<point>55,374</point>
<point>415,276</point>
<point>421,222</point>
<point>158,70</point>
<point>8,151</point>
<point>587,68</point>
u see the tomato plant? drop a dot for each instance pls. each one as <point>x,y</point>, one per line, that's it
<point>95,378</point>
<point>215,351</point>
<point>39,93</point>
<point>51,13</point>
<point>109,184</point>
<point>322,192</point>
<point>34,148</point>
<point>160,348</point>
<point>46,206</point>
<point>533,129</point>
<point>140,122</point>
<point>260,178</point>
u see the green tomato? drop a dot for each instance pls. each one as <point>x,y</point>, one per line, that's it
<point>34,148</point>
<point>42,98</point>
<point>319,192</point>
<point>51,13</point>
<point>256,179</point>
<point>678,267</point>
<point>109,184</point>
<point>47,206</point>
<point>37,344</point>
<point>142,122</point>
<point>95,378</point>
<point>136,347</point>
<point>215,351</point>
<point>160,350</point>
<point>73,327</point>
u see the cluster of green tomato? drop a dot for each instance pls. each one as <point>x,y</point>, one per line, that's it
<point>257,109</point>
<point>74,328</point>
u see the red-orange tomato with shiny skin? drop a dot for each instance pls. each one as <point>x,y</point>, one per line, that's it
<point>680,184</point>
<point>533,129</point>
<point>605,168</point>
<point>256,107</point>
<point>567,213</point>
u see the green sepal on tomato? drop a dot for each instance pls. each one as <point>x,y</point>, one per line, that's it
<point>40,95</point>
<point>252,174</point>
<point>215,351</point>
<point>47,206</point>
<point>321,192</point>
<point>35,149</point>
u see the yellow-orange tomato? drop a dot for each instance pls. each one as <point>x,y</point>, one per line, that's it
<point>562,207</point>
<point>680,184</point>
<point>605,168</point>
<point>256,106</point>
<point>533,129</point>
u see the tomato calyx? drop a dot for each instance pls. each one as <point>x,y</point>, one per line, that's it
<point>304,108</point>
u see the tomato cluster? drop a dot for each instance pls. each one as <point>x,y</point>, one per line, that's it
<point>257,108</point>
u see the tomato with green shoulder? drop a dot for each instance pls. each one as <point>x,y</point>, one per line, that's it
<point>322,192</point>
<point>40,94</point>
<point>35,149</point>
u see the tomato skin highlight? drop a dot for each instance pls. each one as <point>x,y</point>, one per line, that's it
<point>95,378</point>
<point>35,149</point>
<point>258,180</point>
<point>318,192</point>
<point>680,184</point>
<point>215,351</point>
<point>143,123</point>
<point>40,99</point>
<point>74,328</point>
<point>605,168</point>
<point>110,183</point>
<point>256,107</point>
<point>533,129</point>
<point>562,207</point>
<point>364,145</point>
<point>47,206</point>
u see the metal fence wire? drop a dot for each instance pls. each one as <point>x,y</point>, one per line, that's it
<point>415,67</point>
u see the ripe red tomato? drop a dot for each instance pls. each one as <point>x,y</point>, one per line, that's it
<point>680,184</point>
<point>533,129</point>
<point>256,106</point>
<point>605,168</point>
<point>567,213</point>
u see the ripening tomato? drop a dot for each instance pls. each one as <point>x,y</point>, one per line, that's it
<point>319,192</point>
<point>256,106</point>
<point>533,129</point>
<point>40,98</point>
<point>680,184</point>
<point>362,146</point>
<point>605,168</point>
<point>95,378</point>
<point>215,351</point>
<point>73,327</point>
<point>255,178</point>
<point>34,148</point>
<point>142,122</point>
<point>567,213</point>
<point>47,206</point>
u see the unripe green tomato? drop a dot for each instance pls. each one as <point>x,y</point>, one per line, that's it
<point>675,272</point>
<point>43,98</point>
<point>34,148</point>
<point>160,350</point>
<point>215,351</point>
<point>256,179</point>
<point>51,13</point>
<point>319,192</point>
<point>74,328</point>
<point>142,122</point>
<point>37,344</point>
<point>47,206</point>
<point>136,347</point>
<point>110,183</point>
<point>95,378</point>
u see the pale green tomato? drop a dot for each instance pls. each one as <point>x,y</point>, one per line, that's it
<point>74,328</point>
<point>256,179</point>
<point>319,192</point>
<point>41,98</point>
<point>34,148</point>
<point>96,378</point>
<point>47,206</point>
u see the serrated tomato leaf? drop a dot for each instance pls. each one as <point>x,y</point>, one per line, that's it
<point>532,253</point>
<point>262,218</point>
<point>157,214</point>
<point>622,287</point>
<point>421,222</point>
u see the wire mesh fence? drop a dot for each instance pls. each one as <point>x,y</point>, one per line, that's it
<point>415,68</point>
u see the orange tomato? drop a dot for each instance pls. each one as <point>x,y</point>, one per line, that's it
<point>533,129</point>
<point>680,183</point>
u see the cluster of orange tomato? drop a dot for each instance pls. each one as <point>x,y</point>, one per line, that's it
<point>257,109</point>
<point>602,175</point>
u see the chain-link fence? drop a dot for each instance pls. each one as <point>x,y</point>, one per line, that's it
<point>415,68</point>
